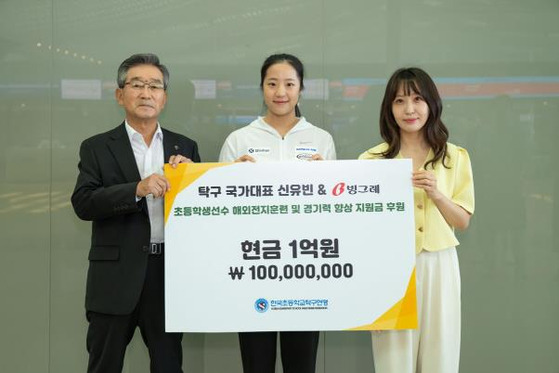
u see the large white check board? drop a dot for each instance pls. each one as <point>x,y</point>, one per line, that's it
<point>325,245</point>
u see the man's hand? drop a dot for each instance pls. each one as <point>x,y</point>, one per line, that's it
<point>155,184</point>
<point>174,160</point>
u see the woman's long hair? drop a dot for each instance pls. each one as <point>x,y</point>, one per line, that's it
<point>414,80</point>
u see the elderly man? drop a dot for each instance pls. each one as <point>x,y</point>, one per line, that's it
<point>120,188</point>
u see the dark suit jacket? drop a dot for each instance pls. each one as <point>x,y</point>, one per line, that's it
<point>105,193</point>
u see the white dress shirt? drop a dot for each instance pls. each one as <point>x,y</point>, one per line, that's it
<point>150,160</point>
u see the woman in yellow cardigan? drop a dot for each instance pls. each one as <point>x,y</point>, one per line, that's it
<point>410,124</point>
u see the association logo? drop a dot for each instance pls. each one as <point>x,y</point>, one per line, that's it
<point>261,305</point>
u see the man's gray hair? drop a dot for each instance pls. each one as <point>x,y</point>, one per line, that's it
<point>141,59</point>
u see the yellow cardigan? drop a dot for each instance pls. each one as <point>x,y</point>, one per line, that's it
<point>432,232</point>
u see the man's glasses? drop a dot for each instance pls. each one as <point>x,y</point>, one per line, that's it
<point>138,85</point>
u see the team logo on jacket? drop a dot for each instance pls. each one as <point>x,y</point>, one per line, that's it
<point>253,150</point>
<point>305,152</point>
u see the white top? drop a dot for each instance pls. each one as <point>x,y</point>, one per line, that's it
<point>262,142</point>
<point>150,161</point>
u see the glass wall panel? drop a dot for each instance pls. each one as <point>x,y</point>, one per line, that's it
<point>25,184</point>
